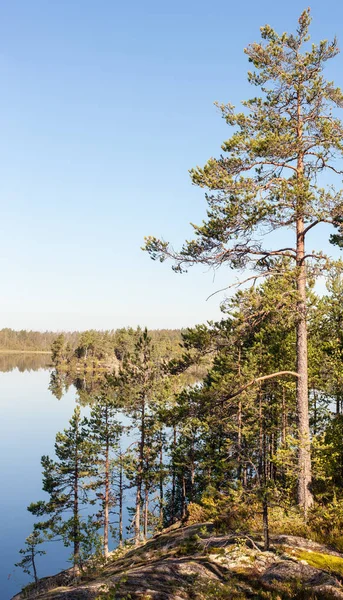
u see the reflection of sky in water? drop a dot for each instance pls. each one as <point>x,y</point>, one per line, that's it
<point>30,419</point>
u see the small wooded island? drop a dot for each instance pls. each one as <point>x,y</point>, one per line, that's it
<point>232,479</point>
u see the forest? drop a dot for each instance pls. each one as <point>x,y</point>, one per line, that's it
<point>94,344</point>
<point>253,442</point>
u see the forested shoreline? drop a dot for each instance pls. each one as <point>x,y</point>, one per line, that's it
<point>101,342</point>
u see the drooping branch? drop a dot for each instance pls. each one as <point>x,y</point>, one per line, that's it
<point>243,281</point>
<point>259,379</point>
<point>317,222</point>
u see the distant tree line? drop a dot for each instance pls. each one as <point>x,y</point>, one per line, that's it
<point>39,341</point>
<point>90,343</point>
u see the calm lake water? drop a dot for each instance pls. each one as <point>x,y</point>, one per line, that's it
<point>30,418</point>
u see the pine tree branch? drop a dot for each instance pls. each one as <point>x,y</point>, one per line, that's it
<point>317,222</point>
<point>242,282</point>
<point>258,379</point>
<point>311,225</point>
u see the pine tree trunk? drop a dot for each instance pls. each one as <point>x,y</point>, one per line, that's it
<point>140,476</point>
<point>245,476</point>
<point>239,424</point>
<point>183,498</point>
<point>284,418</point>
<point>34,564</point>
<point>173,490</point>
<point>265,524</point>
<point>305,499</point>
<point>137,523</point>
<point>260,458</point>
<point>146,513</point>
<point>121,503</point>
<point>76,524</point>
<point>315,413</point>
<point>338,403</point>
<point>107,499</point>
<point>191,488</point>
<point>161,482</point>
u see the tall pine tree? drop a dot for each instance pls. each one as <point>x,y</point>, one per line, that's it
<point>269,180</point>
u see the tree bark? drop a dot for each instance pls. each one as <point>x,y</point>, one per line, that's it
<point>305,499</point>
<point>173,490</point>
<point>161,481</point>
<point>239,423</point>
<point>76,522</point>
<point>34,564</point>
<point>121,503</point>
<point>146,513</point>
<point>192,478</point>
<point>183,498</point>
<point>107,497</point>
<point>284,419</point>
<point>137,525</point>
<point>261,453</point>
<point>265,524</point>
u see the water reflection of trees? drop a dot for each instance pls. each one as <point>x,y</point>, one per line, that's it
<point>24,362</point>
<point>87,384</point>
<point>91,383</point>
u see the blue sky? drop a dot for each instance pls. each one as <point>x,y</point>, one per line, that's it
<point>104,107</point>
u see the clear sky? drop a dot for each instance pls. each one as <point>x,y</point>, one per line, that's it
<point>104,107</point>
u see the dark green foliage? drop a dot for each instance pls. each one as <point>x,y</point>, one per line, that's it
<point>58,350</point>
<point>63,480</point>
<point>29,553</point>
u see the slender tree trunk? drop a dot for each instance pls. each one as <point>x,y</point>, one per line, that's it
<point>33,561</point>
<point>107,498</point>
<point>260,459</point>
<point>137,522</point>
<point>191,491</point>
<point>272,467</point>
<point>161,481</point>
<point>305,498</point>
<point>245,476</point>
<point>265,524</point>
<point>284,418</point>
<point>121,503</point>
<point>315,412</point>
<point>183,498</point>
<point>76,519</point>
<point>137,525</point>
<point>146,513</point>
<point>269,458</point>
<point>264,463</point>
<point>173,490</point>
<point>239,423</point>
